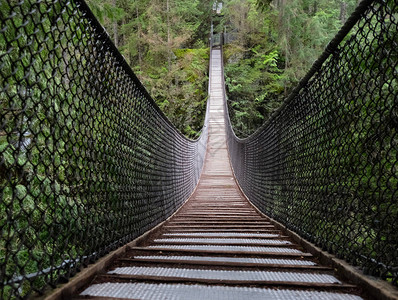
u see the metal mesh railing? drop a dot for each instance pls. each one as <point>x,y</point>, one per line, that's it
<point>325,164</point>
<point>88,162</point>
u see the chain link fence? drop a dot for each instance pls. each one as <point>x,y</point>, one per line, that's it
<point>88,162</point>
<point>325,164</point>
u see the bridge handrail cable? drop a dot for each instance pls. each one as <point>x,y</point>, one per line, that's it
<point>88,161</point>
<point>325,164</point>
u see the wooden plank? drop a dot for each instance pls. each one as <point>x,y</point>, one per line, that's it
<point>243,253</point>
<point>238,265</point>
<point>291,284</point>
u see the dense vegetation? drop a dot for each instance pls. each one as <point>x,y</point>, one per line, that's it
<point>166,43</point>
<point>273,44</point>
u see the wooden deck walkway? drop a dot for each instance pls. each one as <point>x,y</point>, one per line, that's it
<point>218,246</point>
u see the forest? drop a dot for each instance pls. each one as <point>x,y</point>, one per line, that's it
<point>270,46</point>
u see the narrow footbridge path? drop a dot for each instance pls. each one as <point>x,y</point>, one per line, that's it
<point>218,246</point>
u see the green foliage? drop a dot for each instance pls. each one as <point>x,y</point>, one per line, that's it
<point>166,43</point>
<point>106,12</point>
<point>254,86</point>
<point>181,91</point>
<point>286,36</point>
<point>263,4</point>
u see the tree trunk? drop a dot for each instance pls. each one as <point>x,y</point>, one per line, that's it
<point>343,11</point>
<point>168,34</point>
<point>138,38</point>
<point>115,33</point>
<point>315,8</point>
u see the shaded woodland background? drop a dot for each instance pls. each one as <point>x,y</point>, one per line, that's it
<point>272,44</point>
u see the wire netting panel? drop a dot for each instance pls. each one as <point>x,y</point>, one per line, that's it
<point>325,164</point>
<point>87,160</point>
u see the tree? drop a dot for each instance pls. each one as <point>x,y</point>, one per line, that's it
<point>297,31</point>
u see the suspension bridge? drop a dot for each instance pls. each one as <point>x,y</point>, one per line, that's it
<point>103,198</point>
